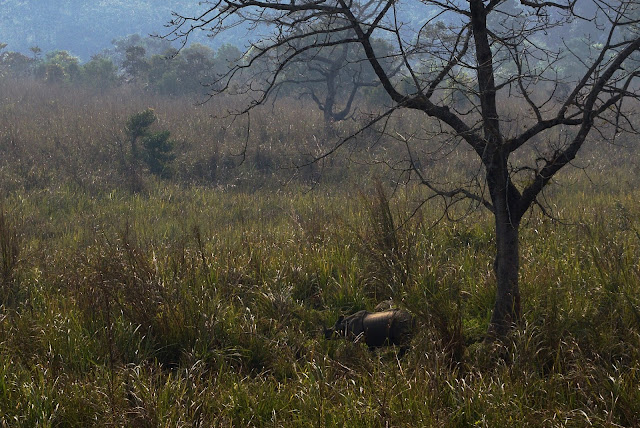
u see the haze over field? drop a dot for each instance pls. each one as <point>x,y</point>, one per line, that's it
<point>86,27</point>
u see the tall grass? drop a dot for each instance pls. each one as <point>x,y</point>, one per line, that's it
<point>201,301</point>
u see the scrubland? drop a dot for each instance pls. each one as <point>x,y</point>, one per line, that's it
<point>199,300</point>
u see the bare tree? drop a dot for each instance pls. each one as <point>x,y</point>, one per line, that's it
<point>331,77</point>
<point>503,46</point>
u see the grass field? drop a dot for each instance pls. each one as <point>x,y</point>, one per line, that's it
<point>200,300</point>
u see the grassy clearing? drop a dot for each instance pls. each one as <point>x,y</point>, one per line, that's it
<point>200,301</point>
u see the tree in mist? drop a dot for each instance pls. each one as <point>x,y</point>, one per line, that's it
<point>502,46</point>
<point>100,72</point>
<point>333,77</point>
<point>156,64</point>
<point>151,45</point>
<point>135,64</point>
<point>323,80</point>
<point>59,66</point>
<point>14,64</point>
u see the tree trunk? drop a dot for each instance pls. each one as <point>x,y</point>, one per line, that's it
<point>506,311</point>
<point>330,100</point>
<point>504,194</point>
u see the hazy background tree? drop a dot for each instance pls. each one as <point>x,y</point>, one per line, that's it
<point>504,46</point>
<point>100,73</point>
<point>58,67</point>
<point>150,45</point>
<point>333,78</point>
<point>149,63</point>
<point>14,64</point>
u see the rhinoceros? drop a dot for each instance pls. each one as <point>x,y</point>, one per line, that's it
<point>392,327</point>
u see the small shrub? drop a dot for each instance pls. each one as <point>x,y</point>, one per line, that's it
<point>156,151</point>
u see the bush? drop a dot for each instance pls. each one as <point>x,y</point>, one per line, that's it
<point>156,150</point>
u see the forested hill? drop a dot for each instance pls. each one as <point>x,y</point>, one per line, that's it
<point>85,27</point>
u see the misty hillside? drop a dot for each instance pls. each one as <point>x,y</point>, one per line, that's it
<point>86,27</point>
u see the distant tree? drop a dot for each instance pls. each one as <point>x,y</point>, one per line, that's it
<point>195,67</point>
<point>59,67</point>
<point>17,65</point>
<point>36,52</point>
<point>488,41</point>
<point>333,77</point>
<point>54,73</point>
<point>14,64</point>
<point>135,64</point>
<point>155,62</point>
<point>188,71</point>
<point>151,45</point>
<point>100,72</point>
<point>228,55</point>
<point>162,75</point>
<point>184,72</point>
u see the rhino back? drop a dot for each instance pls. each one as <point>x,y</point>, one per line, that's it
<point>389,327</point>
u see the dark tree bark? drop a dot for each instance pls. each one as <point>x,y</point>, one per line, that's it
<point>506,310</point>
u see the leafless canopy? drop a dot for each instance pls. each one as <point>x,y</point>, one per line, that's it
<point>486,50</point>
